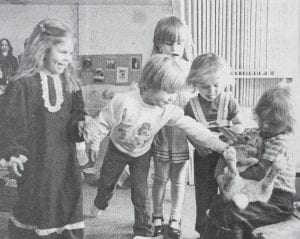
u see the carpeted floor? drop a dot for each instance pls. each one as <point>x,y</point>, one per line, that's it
<point>117,220</point>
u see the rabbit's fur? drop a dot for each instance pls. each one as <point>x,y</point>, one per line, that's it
<point>240,190</point>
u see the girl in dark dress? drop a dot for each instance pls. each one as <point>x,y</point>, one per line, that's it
<point>8,62</point>
<point>42,117</point>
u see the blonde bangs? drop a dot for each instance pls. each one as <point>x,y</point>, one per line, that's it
<point>207,64</point>
<point>173,33</point>
<point>173,78</point>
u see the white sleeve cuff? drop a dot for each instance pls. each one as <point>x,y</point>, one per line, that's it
<point>80,146</point>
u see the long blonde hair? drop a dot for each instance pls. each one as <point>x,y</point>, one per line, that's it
<point>45,35</point>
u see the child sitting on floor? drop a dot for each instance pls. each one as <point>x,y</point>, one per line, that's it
<point>275,121</point>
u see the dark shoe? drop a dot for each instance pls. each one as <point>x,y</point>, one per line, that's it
<point>174,233</point>
<point>158,230</point>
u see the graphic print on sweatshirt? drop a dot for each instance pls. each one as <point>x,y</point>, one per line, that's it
<point>134,137</point>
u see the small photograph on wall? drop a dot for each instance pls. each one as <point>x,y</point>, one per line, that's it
<point>122,75</point>
<point>135,63</point>
<point>110,64</point>
<point>98,75</point>
<point>86,64</point>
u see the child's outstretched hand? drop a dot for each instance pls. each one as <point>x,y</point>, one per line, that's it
<point>229,153</point>
<point>89,130</point>
<point>94,155</point>
<point>228,135</point>
<point>231,160</point>
<point>17,164</point>
<point>81,154</point>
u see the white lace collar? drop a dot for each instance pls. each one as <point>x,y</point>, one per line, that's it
<point>58,92</point>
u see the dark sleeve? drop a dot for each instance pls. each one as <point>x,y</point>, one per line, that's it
<point>15,66</point>
<point>257,171</point>
<point>233,108</point>
<point>273,150</point>
<point>77,114</point>
<point>14,120</point>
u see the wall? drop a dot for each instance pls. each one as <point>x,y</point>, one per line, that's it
<point>128,28</point>
<point>283,40</point>
<point>118,29</point>
<point>17,21</point>
<point>293,40</point>
<point>102,29</point>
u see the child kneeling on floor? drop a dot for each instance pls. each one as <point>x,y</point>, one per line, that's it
<point>132,119</point>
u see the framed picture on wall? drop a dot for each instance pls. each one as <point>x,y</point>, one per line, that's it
<point>86,64</point>
<point>135,63</point>
<point>122,75</point>
<point>99,75</point>
<point>110,63</point>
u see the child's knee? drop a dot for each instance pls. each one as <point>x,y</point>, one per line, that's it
<point>161,180</point>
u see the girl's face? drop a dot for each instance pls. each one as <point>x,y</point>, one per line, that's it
<point>59,57</point>
<point>159,97</point>
<point>210,86</point>
<point>173,48</point>
<point>270,128</point>
<point>4,46</point>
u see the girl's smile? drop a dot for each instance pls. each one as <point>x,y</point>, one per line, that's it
<point>59,57</point>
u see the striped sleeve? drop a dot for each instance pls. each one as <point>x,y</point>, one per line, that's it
<point>273,148</point>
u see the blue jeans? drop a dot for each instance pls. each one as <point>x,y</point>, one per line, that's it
<point>163,171</point>
<point>113,164</point>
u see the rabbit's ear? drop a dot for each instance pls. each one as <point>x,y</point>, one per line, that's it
<point>226,170</point>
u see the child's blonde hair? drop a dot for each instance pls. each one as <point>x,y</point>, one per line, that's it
<point>209,63</point>
<point>172,29</point>
<point>276,105</point>
<point>45,35</point>
<point>162,72</point>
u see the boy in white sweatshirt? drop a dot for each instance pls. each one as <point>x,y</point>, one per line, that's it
<point>132,119</point>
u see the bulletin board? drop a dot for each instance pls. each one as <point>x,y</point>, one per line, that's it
<point>115,69</point>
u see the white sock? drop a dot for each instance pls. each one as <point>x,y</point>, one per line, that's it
<point>96,212</point>
<point>157,222</point>
<point>140,237</point>
<point>175,224</point>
